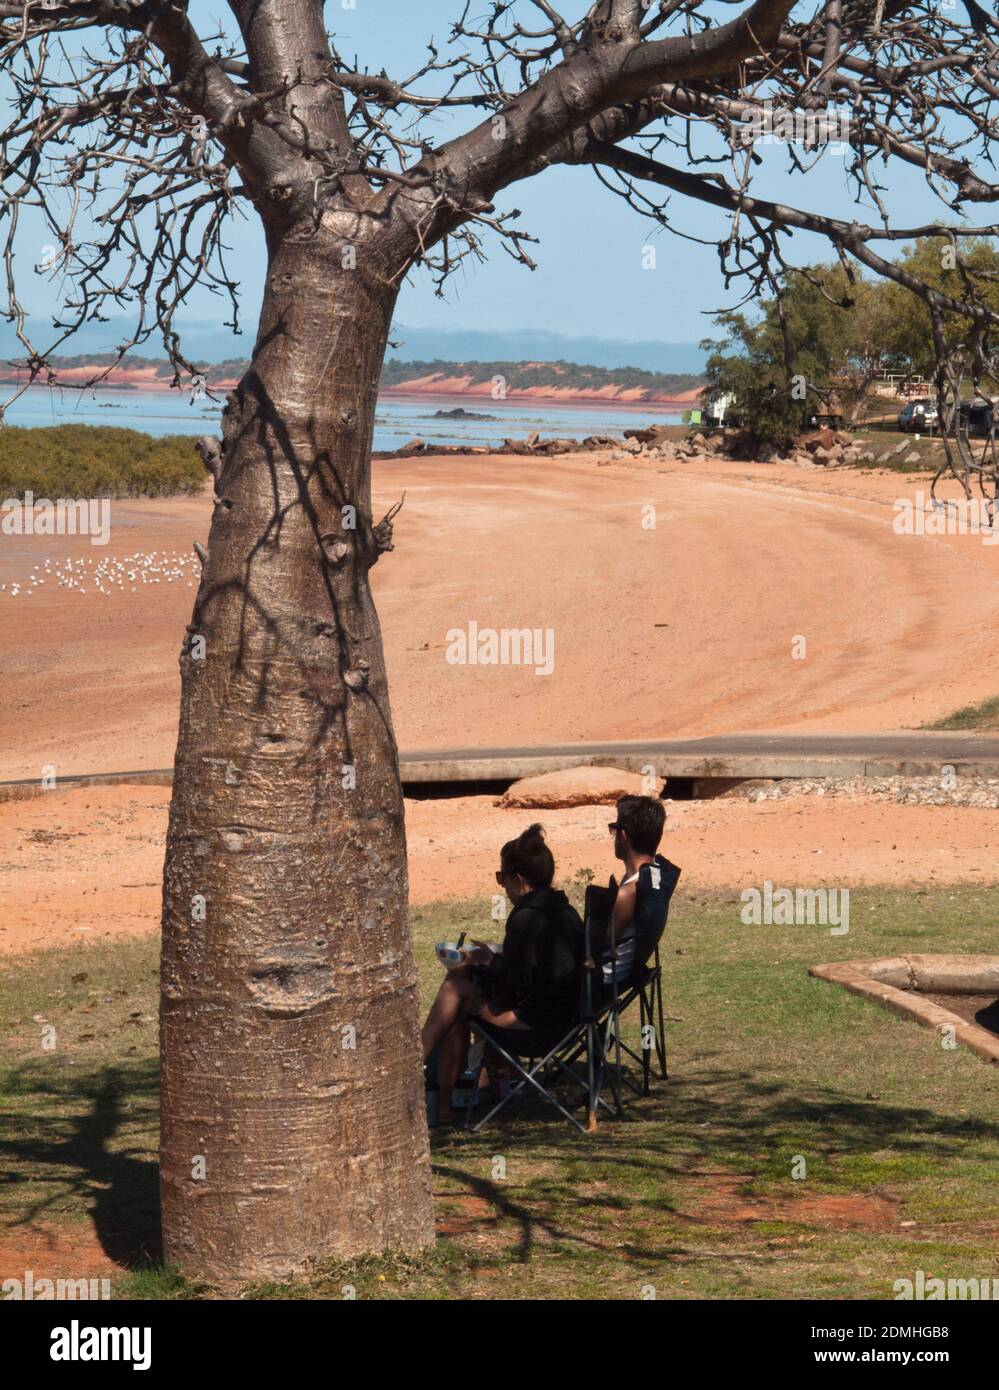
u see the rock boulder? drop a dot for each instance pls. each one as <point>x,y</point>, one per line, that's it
<point>576,786</point>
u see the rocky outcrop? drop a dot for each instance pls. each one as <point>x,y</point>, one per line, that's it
<point>576,786</point>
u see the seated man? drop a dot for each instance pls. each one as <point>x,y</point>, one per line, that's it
<point>637,830</point>
<point>532,986</point>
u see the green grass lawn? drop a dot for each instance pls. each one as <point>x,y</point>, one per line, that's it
<point>691,1194</point>
<point>929,449</point>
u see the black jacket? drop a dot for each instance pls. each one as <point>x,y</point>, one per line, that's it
<point>538,973</point>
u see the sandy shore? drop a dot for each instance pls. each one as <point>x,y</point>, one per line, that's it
<point>684,629</point>
<point>681,630</point>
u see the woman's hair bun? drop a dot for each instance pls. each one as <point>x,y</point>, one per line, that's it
<point>530,857</point>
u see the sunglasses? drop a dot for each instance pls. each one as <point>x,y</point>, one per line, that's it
<point>613,826</point>
<point>500,876</point>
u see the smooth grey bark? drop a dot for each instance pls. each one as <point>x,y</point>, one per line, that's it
<point>292,1098</point>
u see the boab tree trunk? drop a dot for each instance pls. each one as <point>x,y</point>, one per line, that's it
<point>292,1100</point>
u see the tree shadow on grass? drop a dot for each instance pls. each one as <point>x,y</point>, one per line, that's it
<point>85,1141</point>
<point>82,1141</point>
<point>726,1119</point>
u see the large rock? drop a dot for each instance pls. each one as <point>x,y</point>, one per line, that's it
<point>652,434</point>
<point>822,439</point>
<point>521,446</point>
<point>833,454</point>
<point>576,786</point>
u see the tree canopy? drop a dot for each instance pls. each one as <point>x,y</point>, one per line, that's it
<point>135,132</point>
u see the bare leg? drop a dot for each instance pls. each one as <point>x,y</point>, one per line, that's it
<point>450,1063</point>
<point>452,998</point>
<point>453,1052</point>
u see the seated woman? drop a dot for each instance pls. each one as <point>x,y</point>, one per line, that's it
<point>533,984</point>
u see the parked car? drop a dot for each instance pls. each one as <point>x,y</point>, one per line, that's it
<point>918,417</point>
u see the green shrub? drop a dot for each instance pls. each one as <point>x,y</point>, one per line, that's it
<point>768,418</point>
<point>96,461</point>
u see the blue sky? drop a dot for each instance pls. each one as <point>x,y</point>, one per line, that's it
<point>590,278</point>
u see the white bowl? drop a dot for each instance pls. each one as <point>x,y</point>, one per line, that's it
<point>449,953</point>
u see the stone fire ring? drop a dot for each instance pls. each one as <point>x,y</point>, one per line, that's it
<point>896,982</point>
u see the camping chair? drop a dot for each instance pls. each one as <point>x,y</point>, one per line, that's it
<point>535,1056</point>
<point>630,969</point>
<point>642,981</point>
<point>539,1059</point>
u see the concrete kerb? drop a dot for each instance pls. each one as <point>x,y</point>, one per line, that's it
<point>896,981</point>
<point>681,759</point>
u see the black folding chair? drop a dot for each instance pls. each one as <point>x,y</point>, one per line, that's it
<point>641,980</point>
<point>536,1055</point>
<point>608,989</point>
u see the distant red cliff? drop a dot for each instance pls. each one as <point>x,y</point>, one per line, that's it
<point>144,375</point>
<point>560,382</point>
<point>447,388</point>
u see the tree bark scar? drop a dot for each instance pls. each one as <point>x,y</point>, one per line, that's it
<point>289,989</point>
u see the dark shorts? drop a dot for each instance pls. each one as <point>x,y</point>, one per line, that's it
<point>524,1042</point>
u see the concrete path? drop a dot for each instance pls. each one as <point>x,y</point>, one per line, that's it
<point>737,755</point>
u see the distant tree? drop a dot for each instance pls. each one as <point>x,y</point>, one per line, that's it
<point>513,376</point>
<point>966,271</point>
<point>841,333</point>
<point>748,367</point>
<point>96,461</point>
<point>819,344</point>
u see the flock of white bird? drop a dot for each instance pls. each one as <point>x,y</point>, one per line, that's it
<point>109,575</point>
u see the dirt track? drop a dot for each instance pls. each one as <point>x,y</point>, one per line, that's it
<point>682,630</point>
<point>86,865</point>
